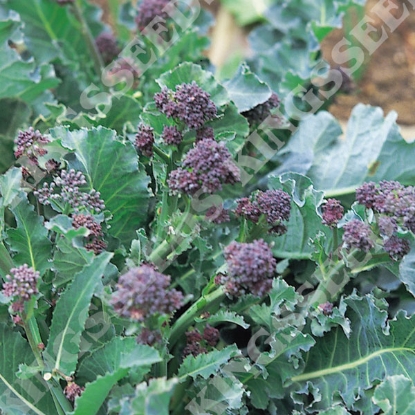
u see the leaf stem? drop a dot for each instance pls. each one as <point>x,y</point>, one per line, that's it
<point>164,157</point>
<point>204,303</point>
<point>89,39</point>
<point>33,336</point>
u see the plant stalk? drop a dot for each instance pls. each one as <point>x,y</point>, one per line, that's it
<point>89,39</point>
<point>204,303</point>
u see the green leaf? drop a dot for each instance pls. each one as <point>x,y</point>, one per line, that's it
<point>207,364</point>
<point>10,186</point>
<point>367,153</point>
<point>111,168</point>
<point>305,223</point>
<point>52,31</point>
<point>106,366</point>
<point>18,78</point>
<point>20,396</point>
<point>220,394</point>
<point>281,296</point>
<point>224,316</point>
<point>284,361</point>
<point>247,11</point>
<point>70,314</point>
<point>123,110</point>
<point>154,398</point>
<point>350,366</point>
<point>29,240</point>
<point>395,395</point>
<point>407,270</point>
<point>246,90</point>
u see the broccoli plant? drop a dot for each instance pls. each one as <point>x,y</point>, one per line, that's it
<point>173,244</point>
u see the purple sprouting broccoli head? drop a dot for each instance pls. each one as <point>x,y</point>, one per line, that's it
<point>332,212</point>
<point>251,267</point>
<point>357,234</point>
<point>143,292</point>
<point>275,205</point>
<point>29,143</point>
<point>391,199</point>
<point>206,167</point>
<point>189,103</point>
<point>151,9</point>
<point>144,140</point>
<point>107,46</point>
<point>259,113</point>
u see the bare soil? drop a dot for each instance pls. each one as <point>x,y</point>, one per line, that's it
<point>388,80</point>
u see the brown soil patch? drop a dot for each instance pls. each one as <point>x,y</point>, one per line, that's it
<point>389,78</point>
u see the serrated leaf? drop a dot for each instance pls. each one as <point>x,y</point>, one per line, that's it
<point>224,316</point>
<point>282,296</point>
<point>284,361</point>
<point>111,168</point>
<point>18,396</point>
<point>395,395</point>
<point>154,398</point>
<point>304,223</point>
<point>70,315</point>
<point>348,367</point>
<point>29,240</point>
<point>246,90</point>
<point>106,366</point>
<point>205,365</point>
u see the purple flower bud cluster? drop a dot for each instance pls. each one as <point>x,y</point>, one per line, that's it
<point>21,284</point>
<point>251,267</point>
<point>149,337</point>
<point>274,204</point>
<point>144,140</point>
<point>395,207</point>
<point>143,292</point>
<point>396,247</point>
<point>171,135</point>
<point>390,198</point>
<point>206,167</point>
<point>217,214</point>
<point>149,10</point>
<point>259,113</point>
<point>95,242</point>
<point>198,343</point>
<point>332,212</point>
<point>72,390</point>
<point>29,144</point>
<point>66,189</point>
<point>107,46</point>
<point>357,234</point>
<point>189,103</point>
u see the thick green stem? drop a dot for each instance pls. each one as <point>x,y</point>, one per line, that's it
<point>89,39</point>
<point>58,395</point>
<point>167,247</point>
<point>162,155</point>
<point>33,335</point>
<point>205,303</point>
